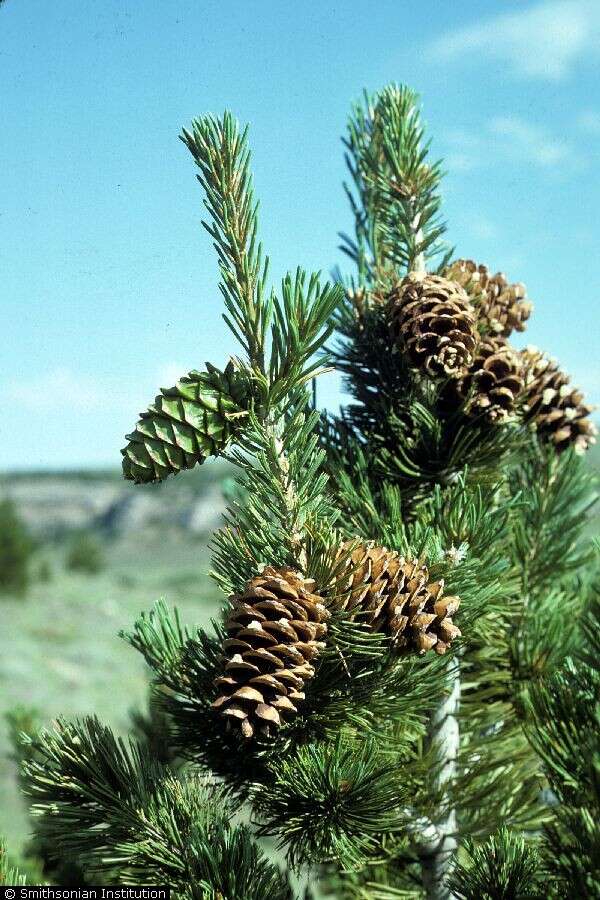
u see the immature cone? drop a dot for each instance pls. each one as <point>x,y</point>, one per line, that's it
<point>553,406</point>
<point>274,631</point>
<point>501,307</point>
<point>492,387</point>
<point>185,424</point>
<point>433,320</point>
<point>394,595</point>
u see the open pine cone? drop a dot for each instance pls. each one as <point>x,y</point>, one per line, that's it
<point>492,387</point>
<point>274,631</point>
<point>394,595</point>
<point>501,307</point>
<point>433,321</point>
<point>553,406</point>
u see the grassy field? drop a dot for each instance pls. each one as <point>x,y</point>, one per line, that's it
<point>59,649</point>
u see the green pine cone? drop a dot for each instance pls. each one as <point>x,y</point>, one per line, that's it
<point>185,424</point>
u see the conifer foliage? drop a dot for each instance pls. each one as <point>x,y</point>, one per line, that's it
<point>402,689</point>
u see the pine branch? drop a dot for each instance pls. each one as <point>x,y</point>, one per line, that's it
<point>504,868</point>
<point>285,517</point>
<point>411,224</point>
<point>282,516</point>
<point>564,730</point>
<point>545,634</point>
<point>205,411</point>
<point>302,323</point>
<point>221,153</point>
<point>331,802</point>
<point>184,669</point>
<point>24,724</point>
<point>359,685</point>
<point>395,200</point>
<point>557,495</point>
<point>497,777</point>
<point>161,639</point>
<point>125,815</point>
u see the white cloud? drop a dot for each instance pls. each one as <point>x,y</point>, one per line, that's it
<point>545,41</point>
<point>527,141</point>
<point>510,139</point>
<point>80,416</point>
<point>59,388</point>
<point>62,389</point>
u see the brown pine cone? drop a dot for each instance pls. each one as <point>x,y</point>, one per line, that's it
<point>432,319</point>
<point>274,631</point>
<point>493,385</point>
<point>553,406</point>
<point>394,595</point>
<point>501,307</point>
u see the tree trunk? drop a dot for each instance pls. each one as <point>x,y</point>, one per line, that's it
<point>444,738</point>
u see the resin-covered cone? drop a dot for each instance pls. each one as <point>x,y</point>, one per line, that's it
<point>553,406</point>
<point>432,320</point>
<point>185,424</point>
<point>395,596</point>
<point>492,387</point>
<point>501,307</point>
<point>275,629</point>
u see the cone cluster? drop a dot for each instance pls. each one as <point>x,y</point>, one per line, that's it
<point>275,629</point>
<point>277,626</point>
<point>185,424</point>
<point>455,329</point>
<point>434,322</point>
<point>553,406</point>
<point>395,596</point>
<point>501,307</point>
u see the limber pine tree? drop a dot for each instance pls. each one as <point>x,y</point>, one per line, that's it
<point>404,670</point>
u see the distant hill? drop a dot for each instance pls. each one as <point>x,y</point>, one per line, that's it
<point>52,503</point>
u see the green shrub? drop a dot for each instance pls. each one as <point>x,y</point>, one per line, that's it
<point>16,548</point>
<point>85,554</point>
<point>44,572</point>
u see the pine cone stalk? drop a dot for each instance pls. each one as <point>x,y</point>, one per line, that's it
<point>275,629</point>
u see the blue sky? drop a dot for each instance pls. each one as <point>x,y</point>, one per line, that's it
<point>109,285</point>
